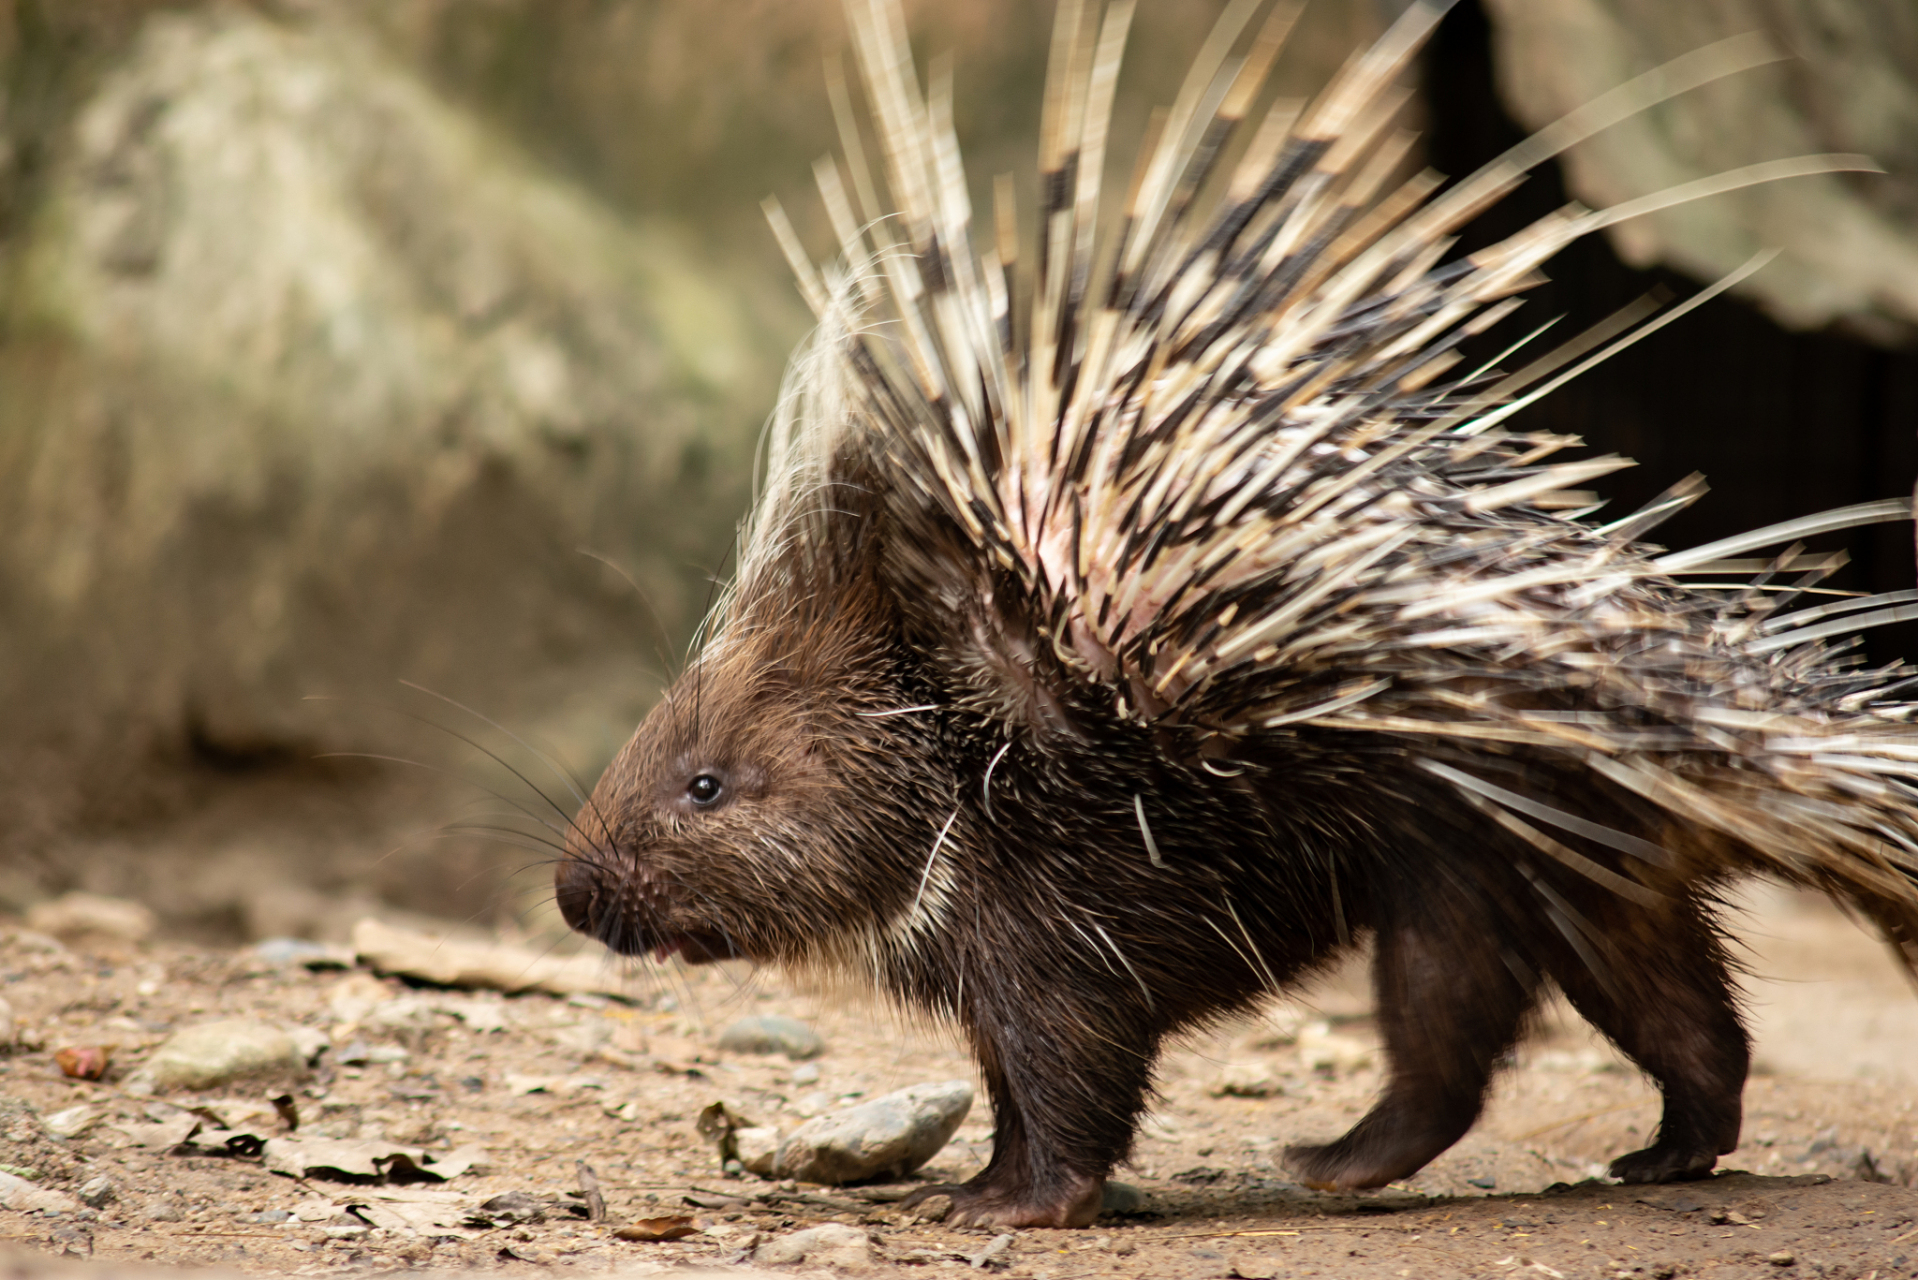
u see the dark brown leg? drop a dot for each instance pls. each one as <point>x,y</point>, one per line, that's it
<point>1063,1109</point>
<point>1660,992</point>
<point>1449,1006</point>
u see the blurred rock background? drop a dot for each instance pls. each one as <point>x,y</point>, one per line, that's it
<point>352,342</point>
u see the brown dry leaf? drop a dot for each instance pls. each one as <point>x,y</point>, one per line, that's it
<point>671,1227</point>
<point>326,1157</point>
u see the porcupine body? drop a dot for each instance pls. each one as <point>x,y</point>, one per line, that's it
<point>1117,642</point>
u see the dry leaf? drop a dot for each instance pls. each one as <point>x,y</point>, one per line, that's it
<point>672,1227</point>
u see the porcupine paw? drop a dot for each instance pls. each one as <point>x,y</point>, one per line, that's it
<point>1345,1166</point>
<point>1070,1203</point>
<point>1662,1162</point>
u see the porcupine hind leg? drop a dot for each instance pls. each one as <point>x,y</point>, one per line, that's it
<point>1663,996</point>
<point>1449,1006</point>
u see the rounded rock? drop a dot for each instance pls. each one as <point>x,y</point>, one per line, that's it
<point>831,1244</point>
<point>92,915</point>
<point>219,1053</point>
<point>1247,1080</point>
<point>772,1033</point>
<point>758,1148</point>
<point>887,1137</point>
<point>1121,1197</point>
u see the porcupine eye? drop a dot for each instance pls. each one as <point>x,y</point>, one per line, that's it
<point>704,790</point>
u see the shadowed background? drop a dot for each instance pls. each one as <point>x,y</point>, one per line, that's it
<point>357,342</point>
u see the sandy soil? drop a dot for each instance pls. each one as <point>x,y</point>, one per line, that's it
<point>1831,1140</point>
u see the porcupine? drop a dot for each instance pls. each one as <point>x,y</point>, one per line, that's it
<point>1113,646</point>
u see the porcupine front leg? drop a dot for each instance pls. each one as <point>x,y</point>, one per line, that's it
<point>1064,1107</point>
<point>1449,1006</point>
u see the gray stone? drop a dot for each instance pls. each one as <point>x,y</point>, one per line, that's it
<point>994,1254</point>
<point>758,1148</point>
<point>309,1042</point>
<point>831,1244</point>
<point>887,1137</point>
<point>23,1196</point>
<point>220,1053</point>
<point>302,951</point>
<point>96,1192</point>
<point>772,1033</point>
<point>1121,1197</point>
<point>1247,1080</point>
<point>90,915</point>
<point>72,1122</point>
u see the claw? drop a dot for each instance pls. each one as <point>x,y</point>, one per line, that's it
<point>1075,1205</point>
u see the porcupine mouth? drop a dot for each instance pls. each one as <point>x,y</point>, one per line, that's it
<point>694,948</point>
<point>627,933</point>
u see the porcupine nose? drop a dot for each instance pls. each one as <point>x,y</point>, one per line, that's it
<point>579,891</point>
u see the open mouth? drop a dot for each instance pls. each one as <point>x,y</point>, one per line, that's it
<point>694,948</point>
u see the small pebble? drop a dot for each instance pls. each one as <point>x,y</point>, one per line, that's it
<point>310,1042</point>
<point>1783,1258</point>
<point>83,1061</point>
<point>24,1196</point>
<point>994,1252</point>
<point>315,1209</point>
<point>1247,1080</point>
<point>772,1033</point>
<point>7,1026</point>
<point>96,1192</point>
<point>758,1148</point>
<point>72,1122</point>
<point>516,1206</point>
<point>830,1244</point>
<point>890,1136</point>
<point>303,951</point>
<point>806,1073</point>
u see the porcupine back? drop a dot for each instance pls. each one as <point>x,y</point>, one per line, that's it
<point>1216,469</point>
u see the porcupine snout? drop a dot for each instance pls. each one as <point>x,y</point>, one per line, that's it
<point>624,889</point>
<point>597,899</point>
<point>604,892</point>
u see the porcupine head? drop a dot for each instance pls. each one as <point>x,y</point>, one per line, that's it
<point>1111,647</point>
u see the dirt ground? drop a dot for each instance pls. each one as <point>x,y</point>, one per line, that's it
<point>1829,1160</point>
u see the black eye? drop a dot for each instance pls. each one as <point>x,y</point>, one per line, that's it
<point>705,790</point>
